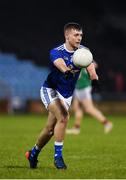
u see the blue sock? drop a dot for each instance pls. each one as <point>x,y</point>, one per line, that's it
<point>35,152</point>
<point>58,149</point>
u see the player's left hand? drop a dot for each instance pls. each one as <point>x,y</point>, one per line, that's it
<point>69,74</point>
<point>96,86</point>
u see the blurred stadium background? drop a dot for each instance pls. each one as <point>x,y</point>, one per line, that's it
<point>29,29</point>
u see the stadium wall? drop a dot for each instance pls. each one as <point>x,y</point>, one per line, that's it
<point>5,106</point>
<point>108,107</point>
<point>36,106</point>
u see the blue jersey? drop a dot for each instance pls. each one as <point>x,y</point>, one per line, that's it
<point>56,79</point>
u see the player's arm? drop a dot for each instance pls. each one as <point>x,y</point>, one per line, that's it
<point>95,64</point>
<point>94,77</point>
<point>58,61</point>
<point>92,72</point>
<point>60,64</point>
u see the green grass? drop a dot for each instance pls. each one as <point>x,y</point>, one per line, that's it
<point>89,155</point>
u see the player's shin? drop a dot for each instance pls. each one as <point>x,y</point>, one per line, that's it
<point>59,133</point>
<point>44,137</point>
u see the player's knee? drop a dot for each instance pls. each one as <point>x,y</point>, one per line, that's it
<point>50,130</point>
<point>88,110</point>
<point>79,113</point>
<point>64,117</point>
<point>64,120</point>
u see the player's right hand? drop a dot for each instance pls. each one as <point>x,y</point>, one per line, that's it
<point>69,74</point>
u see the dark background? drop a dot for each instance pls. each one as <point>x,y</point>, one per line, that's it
<point>31,28</point>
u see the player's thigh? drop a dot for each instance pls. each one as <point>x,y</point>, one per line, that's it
<point>51,120</point>
<point>76,104</point>
<point>58,109</point>
<point>87,103</point>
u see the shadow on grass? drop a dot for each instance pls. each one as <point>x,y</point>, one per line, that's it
<point>25,167</point>
<point>13,167</point>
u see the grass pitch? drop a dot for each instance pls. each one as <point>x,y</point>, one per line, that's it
<point>89,155</point>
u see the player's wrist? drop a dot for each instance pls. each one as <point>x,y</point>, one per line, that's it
<point>67,71</point>
<point>68,74</point>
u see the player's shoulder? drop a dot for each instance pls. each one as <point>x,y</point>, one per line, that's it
<point>83,46</point>
<point>58,48</point>
<point>57,52</point>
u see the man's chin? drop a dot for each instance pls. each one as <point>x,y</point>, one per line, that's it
<point>76,46</point>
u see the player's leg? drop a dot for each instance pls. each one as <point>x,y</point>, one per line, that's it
<point>47,132</point>
<point>57,120</point>
<point>90,108</point>
<point>43,138</point>
<point>62,115</point>
<point>78,115</point>
<point>48,95</point>
<point>78,112</point>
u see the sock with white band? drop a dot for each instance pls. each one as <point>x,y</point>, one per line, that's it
<point>58,149</point>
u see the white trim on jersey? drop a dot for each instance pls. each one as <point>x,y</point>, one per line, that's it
<point>67,49</point>
<point>60,47</point>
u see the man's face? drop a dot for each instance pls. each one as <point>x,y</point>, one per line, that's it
<point>73,37</point>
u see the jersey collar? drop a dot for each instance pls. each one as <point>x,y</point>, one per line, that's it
<point>67,49</point>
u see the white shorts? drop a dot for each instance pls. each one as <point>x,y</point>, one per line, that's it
<point>84,93</point>
<point>48,95</point>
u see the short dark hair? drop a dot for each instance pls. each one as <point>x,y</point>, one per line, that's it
<point>72,25</point>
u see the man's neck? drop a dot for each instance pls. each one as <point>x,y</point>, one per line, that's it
<point>68,47</point>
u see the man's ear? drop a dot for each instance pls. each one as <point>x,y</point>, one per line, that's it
<point>66,34</point>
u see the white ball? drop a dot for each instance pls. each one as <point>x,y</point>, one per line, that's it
<point>82,57</point>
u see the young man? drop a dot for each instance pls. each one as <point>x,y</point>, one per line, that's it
<point>83,102</point>
<point>56,94</point>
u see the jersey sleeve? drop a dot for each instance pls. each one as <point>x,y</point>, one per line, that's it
<point>55,54</point>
